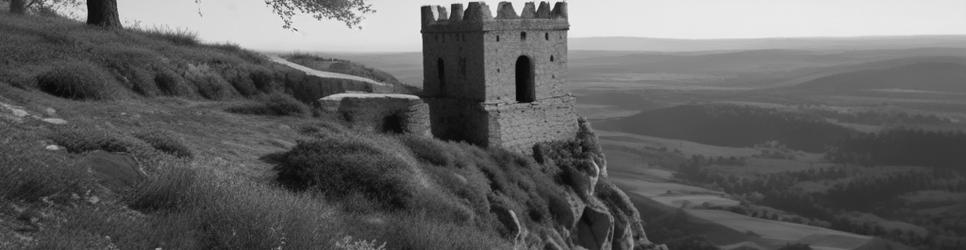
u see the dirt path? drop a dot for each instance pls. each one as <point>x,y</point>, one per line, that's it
<point>324,74</point>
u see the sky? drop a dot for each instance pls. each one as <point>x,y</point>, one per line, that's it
<point>395,26</point>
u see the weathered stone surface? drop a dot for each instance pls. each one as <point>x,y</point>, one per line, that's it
<point>471,68</point>
<point>595,228</point>
<point>385,113</point>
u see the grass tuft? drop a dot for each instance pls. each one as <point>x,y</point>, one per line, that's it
<point>81,140</point>
<point>165,142</point>
<point>78,81</point>
<point>178,36</point>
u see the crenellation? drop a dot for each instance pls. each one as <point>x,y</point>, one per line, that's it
<point>478,16</point>
<point>544,10</point>
<point>529,11</point>
<point>560,11</point>
<point>477,12</point>
<point>442,15</point>
<point>506,11</point>
<point>457,15</point>
<point>428,15</point>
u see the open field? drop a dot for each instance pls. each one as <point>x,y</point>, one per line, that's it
<point>756,233</point>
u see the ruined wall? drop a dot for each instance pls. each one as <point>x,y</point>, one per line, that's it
<point>381,113</point>
<point>520,126</point>
<point>459,120</point>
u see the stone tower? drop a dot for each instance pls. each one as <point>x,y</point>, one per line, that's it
<point>498,81</point>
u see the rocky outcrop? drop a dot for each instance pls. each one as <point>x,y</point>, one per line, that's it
<point>598,216</point>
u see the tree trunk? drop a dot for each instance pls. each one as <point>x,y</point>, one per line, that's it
<point>18,6</point>
<point>103,13</point>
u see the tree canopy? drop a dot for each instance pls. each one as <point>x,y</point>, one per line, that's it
<point>350,12</point>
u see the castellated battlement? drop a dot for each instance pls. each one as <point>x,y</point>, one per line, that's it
<point>477,16</point>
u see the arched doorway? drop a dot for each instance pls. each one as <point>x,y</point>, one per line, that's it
<point>441,76</point>
<point>526,86</point>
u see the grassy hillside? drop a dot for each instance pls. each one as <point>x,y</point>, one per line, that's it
<point>129,139</point>
<point>53,54</point>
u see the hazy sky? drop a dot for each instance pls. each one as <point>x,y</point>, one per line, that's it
<point>395,27</point>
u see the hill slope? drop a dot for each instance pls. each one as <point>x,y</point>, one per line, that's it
<point>732,125</point>
<point>820,43</point>
<point>923,74</point>
<point>126,139</point>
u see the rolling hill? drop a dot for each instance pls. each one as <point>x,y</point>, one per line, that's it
<point>918,75</point>
<point>732,126</point>
<point>819,43</point>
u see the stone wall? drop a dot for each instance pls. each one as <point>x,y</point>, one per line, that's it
<point>380,113</point>
<point>459,120</point>
<point>520,126</point>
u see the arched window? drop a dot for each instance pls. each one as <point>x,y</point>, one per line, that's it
<point>552,58</point>
<point>546,36</point>
<point>525,83</point>
<point>523,36</point>
<point>441,76</point>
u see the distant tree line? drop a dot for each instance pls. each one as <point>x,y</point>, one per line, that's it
<point>904,146</point>
<point>850,190</point>
<point>735,126</point>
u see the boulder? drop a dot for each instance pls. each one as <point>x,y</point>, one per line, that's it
<point>595,229</point>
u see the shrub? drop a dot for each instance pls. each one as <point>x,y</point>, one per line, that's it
<point>78,81</point>
<point>80,140</point>
<point>276,104</point>
<point>165,142</point>
<point>428,150</point>
<point>341,166</point>
<point>170,83</point>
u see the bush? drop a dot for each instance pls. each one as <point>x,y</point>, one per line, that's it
<point>81,140</point>
<point>78,81</point>
<point>428,150</point>
<point>165,142</point>
<point>276,104</point>
<point>338,167</point>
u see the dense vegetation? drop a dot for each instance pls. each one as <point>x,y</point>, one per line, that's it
<point>909,147</point>
<point>849,190</point>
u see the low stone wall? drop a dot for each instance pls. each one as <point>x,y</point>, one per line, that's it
<point>381,113</point>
